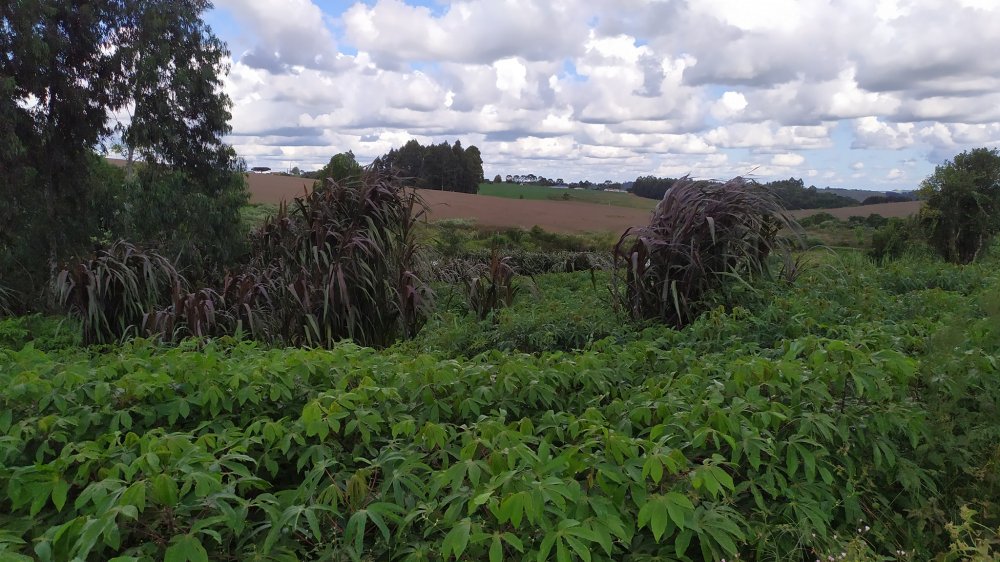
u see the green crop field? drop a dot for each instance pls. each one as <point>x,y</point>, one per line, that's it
<point>537,192</point>
<point>851,414</point>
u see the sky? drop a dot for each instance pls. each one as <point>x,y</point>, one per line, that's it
<point>868,94</point>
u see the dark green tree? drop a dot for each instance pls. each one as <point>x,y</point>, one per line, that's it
<point>473,167</point>
<point>438,166</point>
<point>65,67</point>
<point>962,212</point>
<point>342,168</point>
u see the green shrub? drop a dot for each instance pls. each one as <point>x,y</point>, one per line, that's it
<point>46,333</point>
<point>893,239</point>
<point>817,219</point>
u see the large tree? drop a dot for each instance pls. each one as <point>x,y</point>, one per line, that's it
<point>66,68</point>
<point>962,213</point>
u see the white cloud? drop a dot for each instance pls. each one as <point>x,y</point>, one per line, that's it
<point>788,160</point>
<point>619,88</point>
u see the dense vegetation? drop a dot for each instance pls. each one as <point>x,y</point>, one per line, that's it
<point>723,400</point>
<point>437,166</point>
<point>63,69</point>
<point>962,214</point>
<point>853,412</point>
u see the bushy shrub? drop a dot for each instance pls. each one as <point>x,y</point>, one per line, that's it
<point>893,239</point>
<point>342,263</point>
<point>701,236</point>
<point>111,291</point>
<point>816,219</point>
<point>962,212</point>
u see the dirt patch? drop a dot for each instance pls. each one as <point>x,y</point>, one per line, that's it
<point>269,188</point>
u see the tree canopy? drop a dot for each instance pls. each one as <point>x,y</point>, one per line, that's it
<point>437,166</point>
<point>962,213</point>
<point>76,75</point>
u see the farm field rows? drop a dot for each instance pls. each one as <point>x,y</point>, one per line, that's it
<point>591,213</point>
<point>802,424</point>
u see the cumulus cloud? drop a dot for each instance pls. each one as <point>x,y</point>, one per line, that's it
<point>477,31</point>
<point>618,88</point>
<point>288,33</point>
<point>788,160</point>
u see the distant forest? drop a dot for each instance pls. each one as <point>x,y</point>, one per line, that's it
<point>792,192</point>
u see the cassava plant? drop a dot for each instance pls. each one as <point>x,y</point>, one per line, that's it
<point>111,291</point>
<point>701,235</point>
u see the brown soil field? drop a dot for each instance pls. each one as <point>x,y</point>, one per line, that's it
<point>555,216</point>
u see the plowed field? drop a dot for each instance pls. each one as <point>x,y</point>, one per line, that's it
<point>555,216</point>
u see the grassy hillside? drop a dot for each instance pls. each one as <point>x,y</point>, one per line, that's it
<point>537,192</point>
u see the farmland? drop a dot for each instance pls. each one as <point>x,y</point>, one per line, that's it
<point>498,205</point>
<point>196,367</point>
<point>542,193</point>
<point>799,424</point>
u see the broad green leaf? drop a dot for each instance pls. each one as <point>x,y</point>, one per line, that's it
<point>456,541</point>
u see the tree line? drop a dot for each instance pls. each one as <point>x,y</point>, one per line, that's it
<point>436,166</point>
<point>792,193</point>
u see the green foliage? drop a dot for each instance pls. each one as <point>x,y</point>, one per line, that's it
<point>816,219</point>
<point>47,333</point>
<point>201,228</point>
<point>342,168</point>
<point>894,238</point>
<point>702,236</point>
<point>69,68</point>
<point>490,288</point>
<point>437,166</point>
<point>111,291</point>
<point>823,419</point>
<point>962,210</point>
<point>564,313</point>
<point>793,194</point>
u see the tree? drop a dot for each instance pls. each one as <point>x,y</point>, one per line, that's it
<point>342,168</point>
<point>65,66</point>
<point>962,212</point>
<point>497,179</point>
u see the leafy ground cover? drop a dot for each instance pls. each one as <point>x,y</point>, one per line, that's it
<point>851,415</point>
